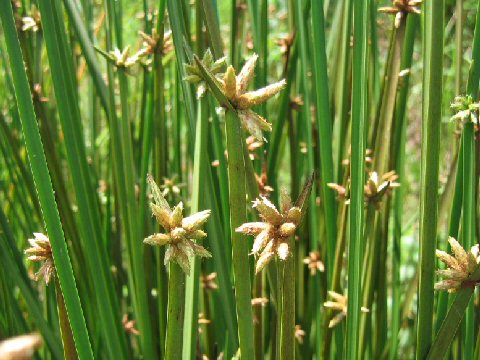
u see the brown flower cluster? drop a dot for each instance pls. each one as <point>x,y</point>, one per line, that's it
<point>180,233</point>
<point>41,250</point>
<point>461,268</point>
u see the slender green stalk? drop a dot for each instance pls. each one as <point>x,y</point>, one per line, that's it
<point>431,115</point>
<point>359,115</point>
<point>176,313</point>
<point>287,315</point>
<point>238,216</point>
<point>43,184</point>
<point>450,325</point>
<point>399,161</point>
<point>324,138</point>
<point>67,336</point>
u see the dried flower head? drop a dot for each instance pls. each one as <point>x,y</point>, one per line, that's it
<point>461,268</point>
<point>259,301</point>
<point>151,43</point>
<point>253,145</point>
<point>339,302</point>
<point>314,262</point>
<point>377,187</point>
<point>171,186</point>
<point>401,8</point>
<point>466,110</point>
<point>262,181</point>
<point>273,233</point>
<point>194,75</point>
<point>340,190</point>
<point>41,250</point>
<point>33,22</point>
<point>299,334</point>
<point>180,233</point>
<point>129,325</point>
<point>235,90</point>
<point>20,347</point>
<point>208,281</point>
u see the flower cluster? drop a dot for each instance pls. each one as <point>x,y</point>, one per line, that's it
<point>401,8</point>
<point>376,188</point>
<point>194,75</point>
<point>41,250</point>
<point>461,268</point>
<point>234,88</point>
<point>466,110</point>
<point>314,262</point>
<point>273,233</point>
<point>339,302</point>
<point>180,233</point>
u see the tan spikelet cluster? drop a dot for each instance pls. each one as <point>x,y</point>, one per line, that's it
<point>376,188</point>
<point>273,233</point>
<point>180,233</point>
<point>41,250</point>
<point>401,8</point>
<point>314,262</point>
<point>466,110</point>
<point>235,89</point>
<point>339,302</point>
<point>461,268</point>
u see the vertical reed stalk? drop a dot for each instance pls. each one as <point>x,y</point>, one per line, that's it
<point>431,115</point>
<point>359,115</point>
<point>238,216</point>
<point>175,312</point>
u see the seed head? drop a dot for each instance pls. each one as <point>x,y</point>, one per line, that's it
<point>376,188</point>
<point>338,302</point>
<point>466,110</point>
<point>194,75</point>
<point>180,232</point>
<point>314,262</point>
<point>272,234</point>
<point>41,250</point>
<point>461,268</point>
<point>401,8</point>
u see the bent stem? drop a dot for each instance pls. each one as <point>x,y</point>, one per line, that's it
<point>238,216</point>
<point>175,312</point>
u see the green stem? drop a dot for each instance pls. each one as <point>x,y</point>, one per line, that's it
<point>175,313</point>
<point>287,317</point>
<point>65,329</point>
<point>450,325</point>
<point>238,216</point>
<point>359,115</point>
<point>432,114</point>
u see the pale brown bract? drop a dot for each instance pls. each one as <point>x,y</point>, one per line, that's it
<point>180,233</point>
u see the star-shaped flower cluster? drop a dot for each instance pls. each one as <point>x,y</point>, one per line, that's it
<point>376,188</point>
<point>180,233</point>
<point>466,110</point>
<point>461,268</point>
<point>401,8</point>
<point>194,75</point>
<point>339,302</point>
<point>235,89</point>
<point>273,233</point>
<point>41,250</point>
